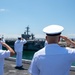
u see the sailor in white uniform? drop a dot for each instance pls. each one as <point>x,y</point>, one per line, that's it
<point>1,40</point>
<point>5,54</point>
<point>53,59</point>
<point>18,46</point>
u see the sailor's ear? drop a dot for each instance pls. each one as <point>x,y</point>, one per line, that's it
<point>59,39</point>
<point>46,37</point>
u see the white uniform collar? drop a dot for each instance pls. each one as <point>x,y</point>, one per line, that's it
<point>52,44</point>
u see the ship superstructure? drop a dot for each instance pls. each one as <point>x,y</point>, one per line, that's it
<point>26,34</point>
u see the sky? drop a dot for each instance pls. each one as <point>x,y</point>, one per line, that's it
<point>16,15</point>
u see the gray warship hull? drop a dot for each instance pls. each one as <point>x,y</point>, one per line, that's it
<point>30,45</point>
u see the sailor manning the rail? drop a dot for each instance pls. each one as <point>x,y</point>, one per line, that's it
<point>53,59</point>
<point>1,40</point>
<point>18,47</point>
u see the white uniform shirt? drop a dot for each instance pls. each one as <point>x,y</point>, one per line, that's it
<point>52,60</point>
<point>3,55</point>
<point>18,46</point>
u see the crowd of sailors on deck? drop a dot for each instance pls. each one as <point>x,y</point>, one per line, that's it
<point>52,59</point>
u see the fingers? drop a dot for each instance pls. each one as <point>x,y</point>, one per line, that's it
<point>64,37</point>
<point>3,44</point>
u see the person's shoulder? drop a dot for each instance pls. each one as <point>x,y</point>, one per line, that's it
<point>16,41</point>
<point>70,50</point>
<point>1,51</point>
<point>39,52</point>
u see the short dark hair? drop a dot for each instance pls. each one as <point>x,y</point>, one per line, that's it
<point>19,38</point>
<point>0,38</point>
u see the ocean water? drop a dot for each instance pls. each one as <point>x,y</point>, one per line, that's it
<point>73,64</point>
<point>27,54</point>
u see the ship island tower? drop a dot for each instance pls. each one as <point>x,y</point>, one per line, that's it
<point>26,34</point>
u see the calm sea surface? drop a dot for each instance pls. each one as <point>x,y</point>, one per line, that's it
<point>27,54</point>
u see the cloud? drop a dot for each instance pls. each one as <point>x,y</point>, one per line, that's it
<point>71,35</point>
<point>40,36</point>
<point>9,35</point>
<point>3,10</point>
<point>43,35</point>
